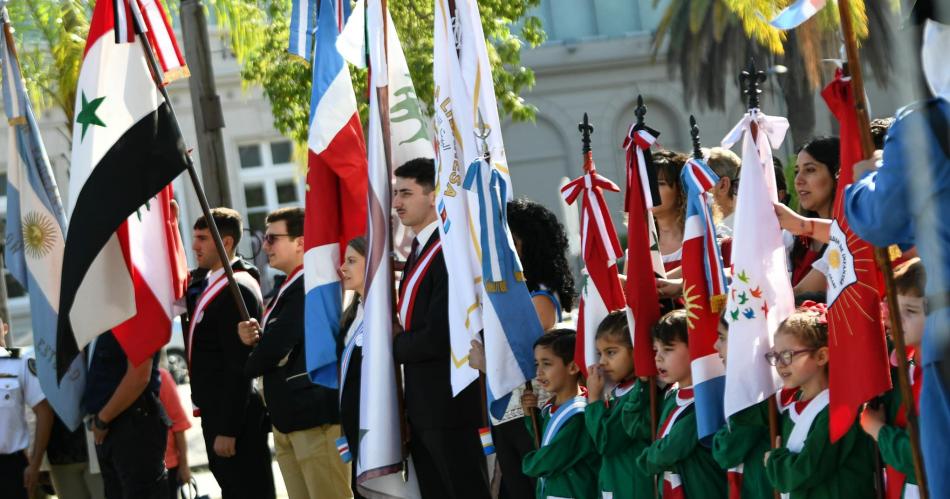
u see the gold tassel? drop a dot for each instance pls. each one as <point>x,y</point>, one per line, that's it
<point>717,303</point>
<point>519,276</point>
<point>893,252</point>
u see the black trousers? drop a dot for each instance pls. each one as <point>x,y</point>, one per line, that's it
<point>450,463</point>
<point>248,473</point>
<point>11,475</point>
<point>512,442</point>
<point>132,456</point>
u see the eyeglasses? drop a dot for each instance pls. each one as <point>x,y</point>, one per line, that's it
<point>272,238</point>
<point>786,357</point>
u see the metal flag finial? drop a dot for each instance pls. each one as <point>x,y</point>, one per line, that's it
<point>694,134</point>
<point>586,130</point>
<point>640,111</point>
<point>750,79</point>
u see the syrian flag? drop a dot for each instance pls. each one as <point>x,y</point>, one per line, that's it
<point>760,296</point>
<point>643,302</point>
<point>601,292</point>
<point>117,272</point>
<point>855,331</point>
<point>704,291</point>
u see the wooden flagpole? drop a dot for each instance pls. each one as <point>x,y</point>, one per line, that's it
<point>853,67</point>
<point>193,173</point>
<point>750,79</point>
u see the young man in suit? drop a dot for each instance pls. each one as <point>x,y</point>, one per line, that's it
<point>305,416</point>
<point>445,445</point>
<point>232,413</point>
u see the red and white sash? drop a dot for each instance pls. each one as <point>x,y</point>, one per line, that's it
<point>296,274</point>
<point>672,482</point>
<point>407,297</point>
<point>210,293</point>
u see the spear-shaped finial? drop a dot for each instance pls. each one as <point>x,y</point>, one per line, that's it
<point>586,130</point>
<point>640,111</point>
<point>694,134</point>
<point>750,79</point>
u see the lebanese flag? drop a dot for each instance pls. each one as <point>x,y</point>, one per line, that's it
<point>126,150</point>
<point>601,292</point>
<point>643,302</point>
<point>855,331</point>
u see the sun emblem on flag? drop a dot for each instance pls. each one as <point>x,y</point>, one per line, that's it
<point>692,304</point>
<point>834,258</point>
<point>39,235</point>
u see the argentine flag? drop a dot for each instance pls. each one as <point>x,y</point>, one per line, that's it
<point>34,236</point>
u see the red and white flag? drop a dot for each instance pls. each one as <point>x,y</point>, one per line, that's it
<point>601,292</point>
<point>855,331</point>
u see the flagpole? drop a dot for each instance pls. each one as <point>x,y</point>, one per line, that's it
<point>750,78</point>
<point>853,67</point>
<point>193,174</point>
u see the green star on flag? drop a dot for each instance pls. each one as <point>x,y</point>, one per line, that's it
<point>87,114</point>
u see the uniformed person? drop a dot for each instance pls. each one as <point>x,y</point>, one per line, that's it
<point>20,387</point>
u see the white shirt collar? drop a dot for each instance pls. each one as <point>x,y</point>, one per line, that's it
<point>217,273</point>
<point>424,234</point>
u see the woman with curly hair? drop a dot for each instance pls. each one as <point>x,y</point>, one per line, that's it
<point>542,245</point>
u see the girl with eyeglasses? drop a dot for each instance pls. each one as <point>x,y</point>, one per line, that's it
<point>807,464</point>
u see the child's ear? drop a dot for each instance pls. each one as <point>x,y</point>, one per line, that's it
<point>572,368</point>
<point>821,356</point>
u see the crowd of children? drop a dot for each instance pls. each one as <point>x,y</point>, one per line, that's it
<point>597,436</point>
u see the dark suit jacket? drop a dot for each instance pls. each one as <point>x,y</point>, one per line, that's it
<point>219,387</point>
<point>423,349</point>
<point>294,402</point>
<point>350,398</point>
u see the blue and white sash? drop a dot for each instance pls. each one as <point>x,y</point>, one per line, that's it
<point>561,416</point>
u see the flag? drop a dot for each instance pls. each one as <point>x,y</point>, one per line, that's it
<point>643,253</point>
<point>34,235</point>
<point>509,322</point>
<point>336,195</point>
<point>380,461</point>
<point>760,296</point>
<point>855,331</point>
<point>126,150</point>
<point>601,292</point>
<point>704,291</point>
<point>797,13</point>
<point>303,27</point>
<point>149,18</point>
<point>456,208</point>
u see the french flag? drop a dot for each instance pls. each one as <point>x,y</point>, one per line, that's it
<point>797,13</point>
<point>336,192</point>
<point>704,291</point>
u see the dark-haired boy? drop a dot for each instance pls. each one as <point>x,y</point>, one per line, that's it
<point>233,419</point>
<point>445,446</point>
<point>567,462</point>
<point>687,467</point>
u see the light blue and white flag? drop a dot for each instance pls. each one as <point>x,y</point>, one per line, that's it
<point>34,234</point>
<point>797,13</point>
<point>472,156</point>
<point>303,27</point>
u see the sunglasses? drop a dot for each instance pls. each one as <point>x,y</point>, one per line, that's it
<point>272,238</point>
<point>786,357</point>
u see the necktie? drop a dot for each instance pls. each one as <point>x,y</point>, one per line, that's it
<point>413,256</point>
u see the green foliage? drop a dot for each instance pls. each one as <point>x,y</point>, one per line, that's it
<point>286,79</point>
<point>51,36</point>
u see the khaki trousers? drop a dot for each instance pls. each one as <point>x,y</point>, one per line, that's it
<point>311,465</point>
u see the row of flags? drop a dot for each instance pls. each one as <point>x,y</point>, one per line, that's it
<point>102,271</point>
